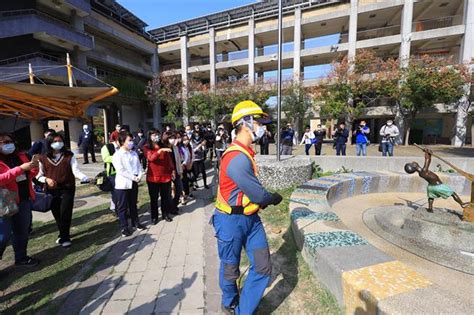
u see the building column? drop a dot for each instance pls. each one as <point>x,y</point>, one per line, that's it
<point>77,22</point>
<point>36,130</point>
<point>212,57</point>
<point>406,23</point>
<point>467,51</point>
<point>466,54</point>
<point>251,59</point>
<point>352,30</point>
<point>155,68</point>
<point>75,130</point>
<point>225,56</point>
<point>79,58</point>
<point>297,46</point>
<point>184,75</point>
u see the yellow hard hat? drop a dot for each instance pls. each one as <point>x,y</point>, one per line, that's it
<point>246,108</point>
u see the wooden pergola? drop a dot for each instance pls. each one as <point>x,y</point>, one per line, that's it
<point>37,101</point>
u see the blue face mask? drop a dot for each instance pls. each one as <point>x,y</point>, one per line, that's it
<point>57,145</point>
<point>130,145</point>
<point>8,148</point>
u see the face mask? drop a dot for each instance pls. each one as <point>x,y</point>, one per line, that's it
<point>185,142</point>
<point>389,123</point>
<point>140,135</point>
<point>130,145</point>
<point>8,148</point>
<point>57,145</point>
<point>260,132</point>
<point>172,141</point>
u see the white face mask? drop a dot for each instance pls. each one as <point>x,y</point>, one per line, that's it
<point>172,141</point>
<point>57,145</point>
<point>260,132</point>
<point>8,148</point>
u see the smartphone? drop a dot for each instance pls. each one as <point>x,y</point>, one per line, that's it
<point>35,160</point>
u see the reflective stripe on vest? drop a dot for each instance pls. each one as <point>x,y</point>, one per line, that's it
<point>221,203</point>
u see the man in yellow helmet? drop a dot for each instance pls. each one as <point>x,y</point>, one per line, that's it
<point>236,221</point>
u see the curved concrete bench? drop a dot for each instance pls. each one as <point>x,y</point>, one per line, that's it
<point>363,278</point>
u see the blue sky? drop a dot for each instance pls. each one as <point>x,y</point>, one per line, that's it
<point>163,12</point>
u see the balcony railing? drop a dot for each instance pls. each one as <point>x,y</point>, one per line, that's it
<point>170,66</point>
<point>440,22</point>
<point>26,57</point>
<point>233,55</point>
<point>378,32</point>
<point>199,61</point>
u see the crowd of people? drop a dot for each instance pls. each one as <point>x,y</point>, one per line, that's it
<point>171,162</point>
<point>341,136</point>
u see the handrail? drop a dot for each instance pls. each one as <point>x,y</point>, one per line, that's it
<point>29,56</point>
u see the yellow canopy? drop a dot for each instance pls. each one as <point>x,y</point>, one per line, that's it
<point>36,101</point>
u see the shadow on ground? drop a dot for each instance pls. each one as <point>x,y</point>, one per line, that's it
<point>285,271</point>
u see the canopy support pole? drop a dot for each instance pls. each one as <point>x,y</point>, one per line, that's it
<point>69,69</point>
<point>30,74</point>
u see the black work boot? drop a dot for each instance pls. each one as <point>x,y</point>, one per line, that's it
<point>231,308</point>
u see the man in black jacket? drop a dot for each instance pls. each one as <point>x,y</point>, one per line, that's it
<point>86,143</point>
<point>39,147</point>
<point>319,135</point>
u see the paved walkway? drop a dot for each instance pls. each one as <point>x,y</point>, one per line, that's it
<point>157,271</point>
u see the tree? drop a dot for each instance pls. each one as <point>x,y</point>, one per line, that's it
<point>296,103</point>
<point>349,87</point>
<point>202,102</point>
<point>424,82</point>
<point>167,91</point>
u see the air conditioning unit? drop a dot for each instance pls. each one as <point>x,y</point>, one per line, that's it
<point>93,70</point>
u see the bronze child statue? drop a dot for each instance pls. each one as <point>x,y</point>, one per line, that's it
<point>436,188</point>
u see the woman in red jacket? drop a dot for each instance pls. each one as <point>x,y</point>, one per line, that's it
<point>16,175</point>
<point>160,173</point>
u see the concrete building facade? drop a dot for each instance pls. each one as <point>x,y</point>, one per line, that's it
<point>104,39</point>
<point>242,43</point>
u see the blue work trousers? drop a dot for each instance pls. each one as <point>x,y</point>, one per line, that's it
<point>233,233</point>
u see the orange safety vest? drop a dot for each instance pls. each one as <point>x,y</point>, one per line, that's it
<point>221,203</point>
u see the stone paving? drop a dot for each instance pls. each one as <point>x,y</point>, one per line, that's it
<point>170,268</point>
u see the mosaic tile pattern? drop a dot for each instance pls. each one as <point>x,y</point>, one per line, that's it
<point>311,215</point>
<point>313,241</point>
<point>363,288</point>
<point>317,187</point>
<point>310,191</point>
<point>330,179</point>
<point>351,187</point>
<point>367,184</point>
<point>312,201</point>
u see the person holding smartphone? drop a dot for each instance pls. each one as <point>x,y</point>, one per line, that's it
<point>16,175</point>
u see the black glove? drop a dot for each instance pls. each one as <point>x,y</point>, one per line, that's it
<point>277,198</point>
